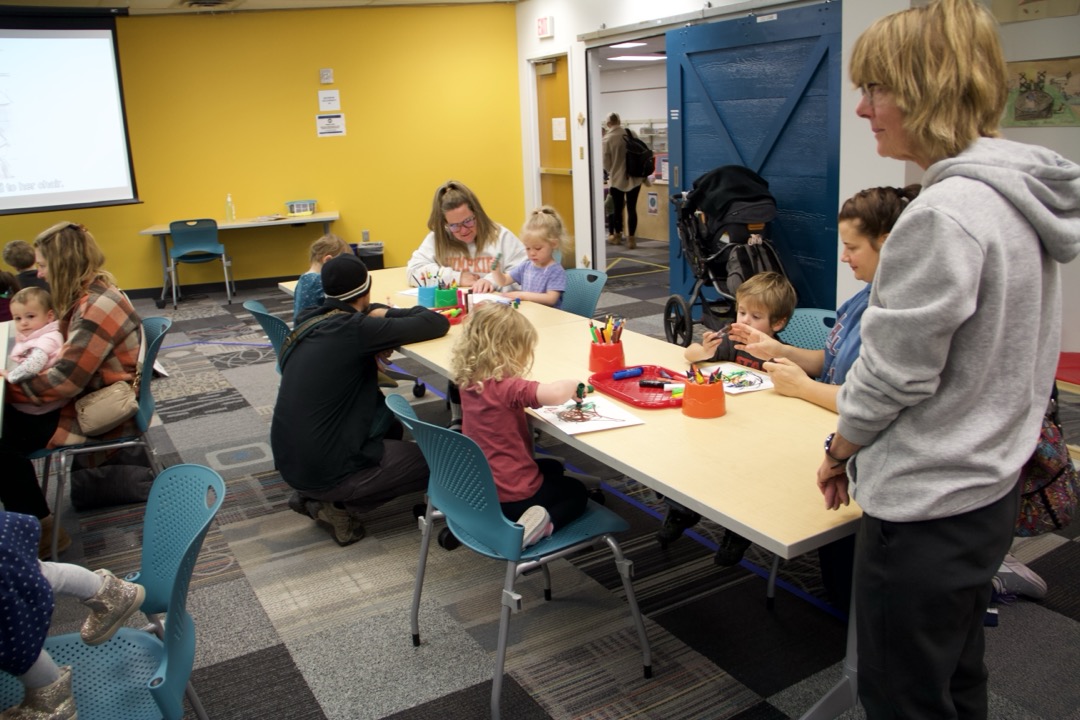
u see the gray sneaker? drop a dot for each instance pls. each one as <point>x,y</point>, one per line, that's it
<point>110,608</point>
<point>1016,578</point>
<point>342,527</point>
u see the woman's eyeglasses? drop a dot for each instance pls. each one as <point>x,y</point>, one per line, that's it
<point>468,222</point>
<point>871,92</point>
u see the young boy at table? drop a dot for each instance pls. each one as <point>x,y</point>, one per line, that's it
<point>765,302</point>
<point>490,360</point>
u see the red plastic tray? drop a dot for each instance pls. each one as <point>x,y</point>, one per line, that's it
<point>629,391</point>
<point>453,320</point>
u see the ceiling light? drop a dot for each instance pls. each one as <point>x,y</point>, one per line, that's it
<point>625,45</point>
<point>638,58</point>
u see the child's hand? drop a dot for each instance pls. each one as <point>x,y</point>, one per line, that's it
<point>483,285</point>
<point>711,340</point>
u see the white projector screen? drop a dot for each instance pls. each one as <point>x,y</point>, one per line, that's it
<point>63,137</point>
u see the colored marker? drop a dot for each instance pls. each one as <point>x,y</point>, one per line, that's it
<point>628,373</point>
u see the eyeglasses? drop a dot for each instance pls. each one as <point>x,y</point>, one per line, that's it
<point>468,222</point>
<point>871,92</point>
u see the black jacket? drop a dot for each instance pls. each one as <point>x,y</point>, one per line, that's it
<point>330,415</point>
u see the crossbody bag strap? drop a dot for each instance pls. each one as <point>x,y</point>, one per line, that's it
<point>300,331</point>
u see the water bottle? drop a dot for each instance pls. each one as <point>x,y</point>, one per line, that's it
<point>230,209</point>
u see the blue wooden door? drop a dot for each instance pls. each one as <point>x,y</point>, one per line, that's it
<point>764,92</point>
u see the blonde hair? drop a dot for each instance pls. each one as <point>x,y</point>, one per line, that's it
<point>450,196</point>
<point>545,223</point>
<point>496,343</point>
<point>772,291</point>
<point>38,295</point>
<point>944,66</point>
<point>328,244</point>
<point>73,262</point>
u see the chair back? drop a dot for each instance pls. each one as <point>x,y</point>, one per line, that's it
<point>195,238</point>
<point>154,329</point>
<point>461,486</point>
<point>583,288</point>
<point>809,328</point>
<point>275,328</point>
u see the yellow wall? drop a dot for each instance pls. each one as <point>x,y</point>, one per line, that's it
<point>226,103</point>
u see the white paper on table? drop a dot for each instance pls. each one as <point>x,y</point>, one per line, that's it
<point>603,414</point>
<point>734,368</point>
<point>411,291</point>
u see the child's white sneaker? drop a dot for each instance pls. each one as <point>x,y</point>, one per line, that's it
<point>537,524</point>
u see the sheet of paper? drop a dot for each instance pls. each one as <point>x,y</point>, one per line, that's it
<point>597,413</point>
<point>739,378</point>
<point>411,292</point>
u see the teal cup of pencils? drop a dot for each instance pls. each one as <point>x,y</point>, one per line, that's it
<point>704,400</point>
<point>446,298</point>
<point>606,357</point>
<point>426,296</point>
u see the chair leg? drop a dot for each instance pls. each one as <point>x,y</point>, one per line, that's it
<point>511,601</point>
<point>547,581</point>
<point>196,703</point>
<point>225,263</point>
<point>626,571</point>
<point>173,281</point>
<point>61,477</point>
<point>425,524</point>
<point>45,475</point>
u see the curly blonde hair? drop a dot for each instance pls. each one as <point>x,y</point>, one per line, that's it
<point>329,244</point>
<point>496,343</point>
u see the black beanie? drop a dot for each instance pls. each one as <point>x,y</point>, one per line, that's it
<point>345,278</point>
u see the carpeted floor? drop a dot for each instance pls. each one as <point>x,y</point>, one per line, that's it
<point>292,626</point>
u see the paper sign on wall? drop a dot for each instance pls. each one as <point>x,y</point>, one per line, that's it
<point>326,125</point>
<point>329,100</point>
<point>558,129</point>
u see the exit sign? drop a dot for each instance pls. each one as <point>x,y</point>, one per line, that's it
<point>545,27</point>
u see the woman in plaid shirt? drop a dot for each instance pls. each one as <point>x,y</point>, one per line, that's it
<point>101,332</point>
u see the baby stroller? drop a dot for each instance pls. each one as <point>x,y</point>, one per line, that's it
<point>723,223</point>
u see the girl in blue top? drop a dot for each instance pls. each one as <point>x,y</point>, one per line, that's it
<point>865,221</point>
<point>309,292</point>
<point>543,278</point>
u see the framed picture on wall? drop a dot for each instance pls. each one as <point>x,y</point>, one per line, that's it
<point>1007,11</point>
<point>1043,93</point>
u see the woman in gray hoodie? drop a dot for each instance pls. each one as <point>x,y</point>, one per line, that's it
<point>960,341</point>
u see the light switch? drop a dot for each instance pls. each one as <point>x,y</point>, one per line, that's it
<point>326,76</point>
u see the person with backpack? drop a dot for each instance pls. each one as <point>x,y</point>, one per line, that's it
<point>623,186</point>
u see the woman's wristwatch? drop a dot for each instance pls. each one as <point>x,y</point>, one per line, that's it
<point>828,451</point>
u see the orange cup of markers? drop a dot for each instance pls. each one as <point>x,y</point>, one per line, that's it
<point>704,401</point>
<point>606,357</point>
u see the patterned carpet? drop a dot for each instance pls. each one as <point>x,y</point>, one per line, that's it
<point>292,626</point>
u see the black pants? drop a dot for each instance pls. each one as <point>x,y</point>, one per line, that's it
<point>921,593</point>
<point>564,498</point>
<point>628,200</point>
<point>23,434</point>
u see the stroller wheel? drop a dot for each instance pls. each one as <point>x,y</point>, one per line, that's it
<point>678,322</point>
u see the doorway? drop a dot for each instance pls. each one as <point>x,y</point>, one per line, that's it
<point>553,122</point>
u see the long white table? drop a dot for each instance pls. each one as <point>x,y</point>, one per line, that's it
<point>751,470</point>
<point>161,232</point>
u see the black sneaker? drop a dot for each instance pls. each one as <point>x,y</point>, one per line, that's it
<point>732,548</point>
<point>344,529</point>
<point>676,522</point>
<point>299,504</point>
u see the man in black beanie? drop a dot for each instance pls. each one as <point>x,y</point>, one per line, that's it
<point>334,440</point>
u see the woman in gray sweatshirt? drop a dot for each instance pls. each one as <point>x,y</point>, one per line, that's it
<point>960,341</point>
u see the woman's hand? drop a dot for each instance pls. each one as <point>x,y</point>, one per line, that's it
<point>788,378</point>
<point>754,341</point>
<point>832,481</point>
<point>482,285</point>
<point>471,279</point>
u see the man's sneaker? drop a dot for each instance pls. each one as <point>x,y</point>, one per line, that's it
<point>676,522</point>
<point>342,527</point>
<point>1016,578</point>
<point>537,524</point>
<point>298,503</point>
<point>110,607</point>
<point>52,702</point>
<point>732,548</point>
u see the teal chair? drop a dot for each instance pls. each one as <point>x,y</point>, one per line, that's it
<point>583,288</point>
<point>275,328</point>
<point>809,328</point>
<point>139,675</point>
<point>462,490</point>
<point>196,241</point>
<point>154,329</point>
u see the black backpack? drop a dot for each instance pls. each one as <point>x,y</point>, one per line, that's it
<point>639,158</point>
